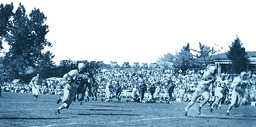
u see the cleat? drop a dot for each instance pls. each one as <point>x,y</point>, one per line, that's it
<point>186,113</point>
<point>57,112</point>
<point>227,113</point>
<point>199,110</point>
<point>58,101</point>
<point>81,103</point>
<point>211,109</point>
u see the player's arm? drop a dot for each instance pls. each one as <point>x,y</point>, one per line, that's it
<point>68,78</point>
<point>236,84</point>
<point>212,88</point>
<point>213,79</point>
<point>31,83</point>
<point>206,79</point>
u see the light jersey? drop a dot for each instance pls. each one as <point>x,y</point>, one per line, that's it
<point>240,84</point>
<point>36,81</point>
<point>205,80</point>
<point>221,85</point>
<point>76,77</point>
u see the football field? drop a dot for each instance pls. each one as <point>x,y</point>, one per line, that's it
<point>17,109</point>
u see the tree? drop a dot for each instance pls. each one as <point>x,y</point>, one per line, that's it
<point>166,61</point>
<point>238,56</point>
<point>184,59</point>
<point>27,42</point>
<point>205,54</point>
<point>5,15</point>
<point>45,64</point>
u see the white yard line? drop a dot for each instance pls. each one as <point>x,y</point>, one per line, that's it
<point>113,122</point>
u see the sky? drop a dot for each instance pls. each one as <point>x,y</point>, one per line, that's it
<point>142,30</point>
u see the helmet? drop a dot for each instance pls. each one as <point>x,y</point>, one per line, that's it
<point>243,75</point>
<point>81,67</point>
<point>212,69</point>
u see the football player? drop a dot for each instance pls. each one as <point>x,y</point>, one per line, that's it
<point>238,87</point>
<point>35,83</point>
<point>75,79</point>
<point>220,91</point>
<point>203,89</point>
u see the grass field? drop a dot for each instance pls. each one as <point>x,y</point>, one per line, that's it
<point>18,109</point>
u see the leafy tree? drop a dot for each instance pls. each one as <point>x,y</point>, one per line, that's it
<point>45,64</point>
<point>204,55</point>
<point>184,59</point>
<point>204,51</point>
<point>186,48</point>
<point>5,15</point>
<point>166,61</point>
<point>238,56</point>
<point>27,42</point>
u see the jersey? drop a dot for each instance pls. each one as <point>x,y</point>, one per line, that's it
<point>78,79</point>
<point>36,81</point>
<point>221,85</point>
<point>239,85</point>
<point>207,80</point>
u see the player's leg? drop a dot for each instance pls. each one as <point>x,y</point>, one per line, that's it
<point>60,98</point>
<point>67,102</point>
<point>215,103</point>
<point>234,101</point>
<point>95,91</point>
<point>239,100</point>
<point>194,98</point>
<point>141,95</point>
<point>221,98</point>
<point>218,99</point>
<point>34,92</point>
<point>67,98</point>
<point>80,96</point>
<point>95,95</point>
<point>107,95</point>
<point>118,95</point>
<point>35,97</point>
<point>206,96</point>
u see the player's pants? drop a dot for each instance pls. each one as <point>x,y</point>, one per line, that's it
<point>94,93</point>
<point>80,94</point>
<point>218,99</point>
<point>68,95</point>
<point>109,95</point>
<point>35,90</point>
<point>196,95</point>
<point>141,93</point>
<point>236,99</point>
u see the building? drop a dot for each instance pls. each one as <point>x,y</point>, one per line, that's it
<point>223,64</point>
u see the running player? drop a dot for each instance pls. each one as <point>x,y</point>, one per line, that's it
<point>35,83</point>
<point>74,80</point>
<point>142,88</point>
<point>203,89</point>
<point>220,91</point>
<point>118,91</point>
<point>238,87</point>
<point>109,90</point>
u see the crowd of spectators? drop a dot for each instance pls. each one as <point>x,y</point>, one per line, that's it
<point>127,84</point>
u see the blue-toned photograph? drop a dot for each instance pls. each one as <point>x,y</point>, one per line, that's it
<point>119,63</point>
